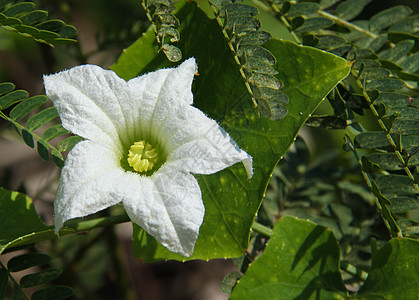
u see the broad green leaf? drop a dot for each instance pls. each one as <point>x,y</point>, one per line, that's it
<point>41,118</point>
<point>12,98</point>
<point>39,278</point>
<point>137,56</point>
<point>25,107</point>
<point>388,17</point>
<point>17,217</point>
<point>231,200</point>
<point>394,272</point>
<point>55,292</point>
<point>300,261</point>
<point>349,9</point>
<point>27,260</point>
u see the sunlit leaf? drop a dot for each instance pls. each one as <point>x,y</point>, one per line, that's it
<point>301,261</point>
<point>394,272</point>
<point>17,217</point>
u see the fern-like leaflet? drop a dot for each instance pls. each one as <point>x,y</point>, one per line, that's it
<point>383,80</point>
<point>25,19</point>
<point>24,106</point>
<point>241,31</point>
<point>9,285</point>
<point>164,25</point>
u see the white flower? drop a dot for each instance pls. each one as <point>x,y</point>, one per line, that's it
<point>143,139</point>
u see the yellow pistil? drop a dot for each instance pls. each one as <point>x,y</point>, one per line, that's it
<point>142,156</point>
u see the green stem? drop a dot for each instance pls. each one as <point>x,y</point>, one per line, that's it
<point>347,24</point>
<point>351,269</point>
<point>262,229</point>
<point>79,226</point>
<point>70,227</point>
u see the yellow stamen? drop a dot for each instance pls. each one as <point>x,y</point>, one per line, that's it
<point>142,156</point>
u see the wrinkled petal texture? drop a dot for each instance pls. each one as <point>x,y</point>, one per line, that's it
<point>91,180</point>
<point>168,206</point>
<point>112,114</point>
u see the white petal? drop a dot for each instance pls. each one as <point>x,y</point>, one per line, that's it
<point>154,95</point>
<point>88,100</point>
<point>91,180</point>
<point>197,144</point>
<point>168,206</point>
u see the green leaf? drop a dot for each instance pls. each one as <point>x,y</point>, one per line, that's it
<point>27,138</point>
<point>386,84</point>
<point>349,9</point>
<point>39,278</point>
<point>394,272</point>
<point>409,25</point>
<point>411,63</point>
<point>404,204</point>
<point>12,98</point>
<point>17,217</point>
<point>400,50</point>
<point>34,16</point>
<point>406,127</point>
<point>43,150</point>
<point>396,185</point>
<point>229,282</point>
<point>57,158</point>
<point>54,131</point>
<point>53,293</point>
<point>6,87</point>
<point>25,107</point>
<point>313,24</point>
<point>137,56</point>
<point>231,200</point>
<point>41,118</point>
<point>388,17</point>
<point>17,9</point>
<point>27,260</point>
<point>300,261</point>
<point>303,9</point>
<point>68,143</point>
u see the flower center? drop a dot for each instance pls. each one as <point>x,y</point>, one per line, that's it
<point>142,156</point>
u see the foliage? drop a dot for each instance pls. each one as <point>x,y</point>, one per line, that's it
<point>23,18</point>
<point>361,202</point>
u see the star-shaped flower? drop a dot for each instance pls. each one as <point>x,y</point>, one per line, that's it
<point>143,141</point>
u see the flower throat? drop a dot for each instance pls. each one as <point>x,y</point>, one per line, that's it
<point>142,156</point>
